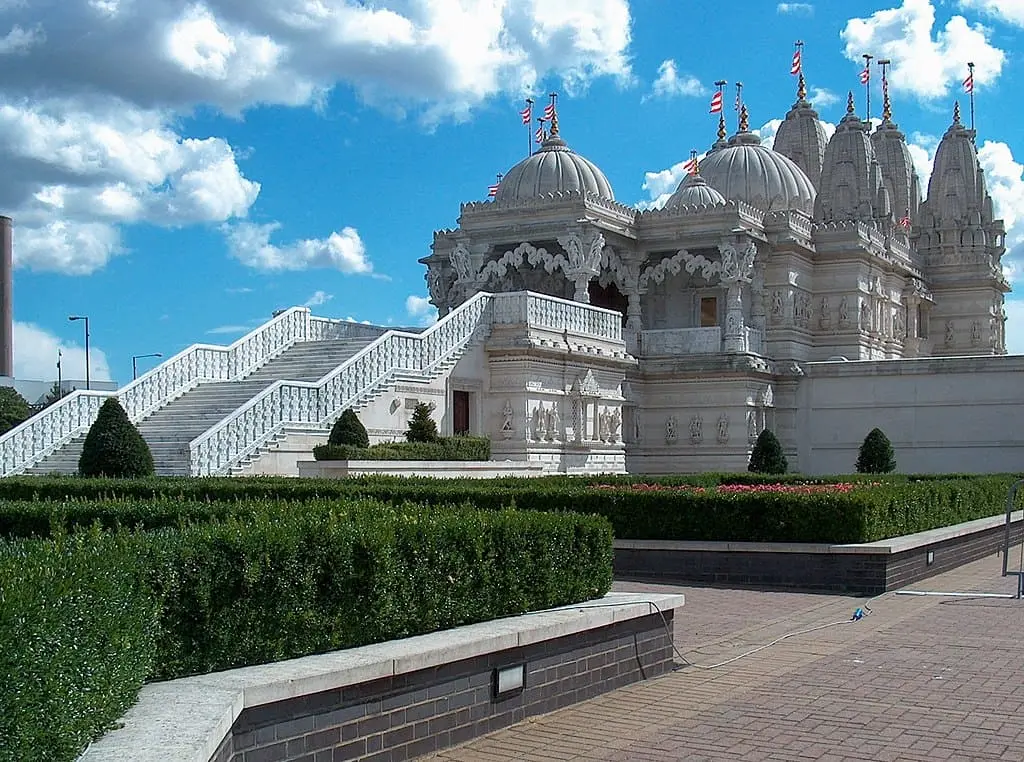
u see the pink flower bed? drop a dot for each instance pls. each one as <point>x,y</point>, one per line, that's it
<point>790,489</point>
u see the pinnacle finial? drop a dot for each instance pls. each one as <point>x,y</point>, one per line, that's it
<point>801,87</point>
<point>554,125</point>
<point>696,164</point>
<point>956,112</point>
<point>744,119</point>
<point>722,132</point>
<point>886,106</point>
<point>851,108</point>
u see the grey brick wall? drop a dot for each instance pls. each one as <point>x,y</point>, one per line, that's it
<point>850,573</point>
<point>411,715</point>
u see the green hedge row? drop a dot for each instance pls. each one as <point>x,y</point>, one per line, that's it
<point>86,618</point>
<point>863,514</point>
<point>78,632</point>
<point>446,448</point>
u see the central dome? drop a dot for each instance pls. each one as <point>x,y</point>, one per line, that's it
<point>554,168</point>
<point>744,170</point>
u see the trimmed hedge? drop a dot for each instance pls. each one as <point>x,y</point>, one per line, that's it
<point>86,618</point>
<point>445,448</point>
<point>77,640</point>
<point>897,505</point>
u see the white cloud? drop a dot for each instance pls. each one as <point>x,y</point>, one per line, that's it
<point>804,8</point>
<point>1004,177</point>
<point>227,329</point>
<point>317,299</point>
<point>238,290</point>
<point>35,356</point>
<point>922,64</point>
<point>922,149</point>
<point>1010,11</point>
<point>669,83</point>
<point>823,98</point>
<point>420,309</point>
<point>92,92</point>
<point>75,173</point>
<point>344,251</point>
<point>767,132</point>
<point>445,56</point>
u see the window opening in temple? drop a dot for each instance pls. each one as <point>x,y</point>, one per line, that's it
<point>708,311</point>
<point>608,297</point>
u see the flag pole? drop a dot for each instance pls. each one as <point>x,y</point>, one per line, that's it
<point>867,85</point>
<point>886,104</point>
<point>528,121</point>
<point>739,101</point>
<point>970,68</point>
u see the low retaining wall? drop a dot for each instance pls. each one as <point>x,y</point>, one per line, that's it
<point>439,469</point>
<point>868,569</point>
<point>402,699</point>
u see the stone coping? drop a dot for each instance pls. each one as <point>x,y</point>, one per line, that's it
<point>881,547</point>
<point>185,720</point>
<point>466,469</point>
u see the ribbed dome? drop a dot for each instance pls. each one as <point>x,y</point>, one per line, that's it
<point>694,191</point>
<point>744,170</point>
<point>554,168</point>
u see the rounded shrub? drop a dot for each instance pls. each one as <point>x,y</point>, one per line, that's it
<point>114,447</point>
<point>349,430</point>
<point>14,409</point>
<point>876,455</point>
<point>767,457</point>
<point>421,426</point>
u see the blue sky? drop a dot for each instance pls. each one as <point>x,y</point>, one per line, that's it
<point>178,170</point>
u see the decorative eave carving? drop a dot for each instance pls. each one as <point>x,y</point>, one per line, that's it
<point>675,264</point>
<point>547,200</point>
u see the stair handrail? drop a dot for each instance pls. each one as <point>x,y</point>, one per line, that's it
<point>256,422</point>
<point>56,425</point>
<point>253,424</point>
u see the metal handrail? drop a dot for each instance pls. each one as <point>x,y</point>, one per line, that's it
<point>1019,574</point>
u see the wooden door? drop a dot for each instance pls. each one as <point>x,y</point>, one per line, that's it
<point>460,412</point>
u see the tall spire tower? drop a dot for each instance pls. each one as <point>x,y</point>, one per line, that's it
<point>801,136</point>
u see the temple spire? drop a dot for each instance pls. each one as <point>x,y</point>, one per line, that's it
<point>722,131</point>
<point>744,118</point>
<point>552,109</point>
<point>801,88</point>
<point>956,112</point>
<point>851,107</point>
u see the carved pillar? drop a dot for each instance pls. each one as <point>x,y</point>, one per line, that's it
<point>583,261</point>
<point>737,270</point>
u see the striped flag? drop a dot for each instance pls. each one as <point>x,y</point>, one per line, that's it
<point>865,75</point>
<point>527,113</point>
<point>969,84</point>
<point>492,190</point>
<point>739,100</point>
<point>716,102</point>
<point>691,166</point>
<point>549,111</point>
<point>539,134</point>
<point>797,66</point>
<point>905,220</point>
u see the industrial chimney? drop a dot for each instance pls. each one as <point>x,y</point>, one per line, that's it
<point>6,303</point>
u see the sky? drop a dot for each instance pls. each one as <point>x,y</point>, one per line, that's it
<point>179,170</point>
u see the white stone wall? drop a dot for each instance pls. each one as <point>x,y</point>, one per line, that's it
<point>942,414</point>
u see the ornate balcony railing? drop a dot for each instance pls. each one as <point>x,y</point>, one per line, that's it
<point>256,423</point>
<point>70,417</point>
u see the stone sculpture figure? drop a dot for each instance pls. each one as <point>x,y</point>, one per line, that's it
<point>460,262</point>
<point>777,303</point>
<point>671,434</point>
<point>723,428</point>
<point>976,333</point>
<point>950,333</point>
<point>844,311</point>
<point>506,420</point>
<point>696,429</point>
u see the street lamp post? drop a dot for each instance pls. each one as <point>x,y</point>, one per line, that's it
<point>135,369</point>
<point>73,318</point>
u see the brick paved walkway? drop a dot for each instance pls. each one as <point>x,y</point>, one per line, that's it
<point>921,678</point>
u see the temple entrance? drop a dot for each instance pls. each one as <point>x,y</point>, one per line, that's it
<point>460,412</point>
<point>609,297</point>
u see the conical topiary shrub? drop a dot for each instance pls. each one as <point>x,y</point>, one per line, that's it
<point>349,430</point>
<point>114,447</point>
<point>767,457</point>
<point>422,427</point>
<point>876,455</point>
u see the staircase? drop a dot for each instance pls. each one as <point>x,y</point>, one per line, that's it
<point>169,430</point>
